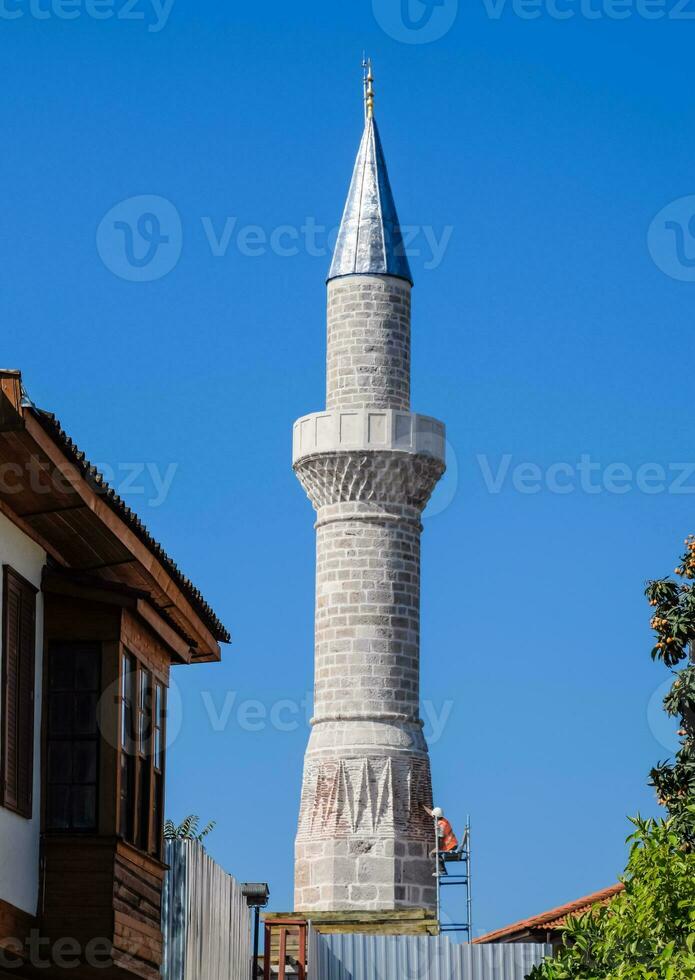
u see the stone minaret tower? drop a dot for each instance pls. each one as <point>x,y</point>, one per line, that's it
<point>369,465</point>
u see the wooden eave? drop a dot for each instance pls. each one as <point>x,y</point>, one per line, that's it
<point>75,520</point>
<point>81,586</point>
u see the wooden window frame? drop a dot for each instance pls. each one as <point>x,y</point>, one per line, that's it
<point>144,748</point>
<point>11,579</point>
<point>139,747</point>
<point>126,768</point>
<point>74,646</point>
<point>159,714</point>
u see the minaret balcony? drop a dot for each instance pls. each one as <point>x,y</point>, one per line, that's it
<point>367,429</point>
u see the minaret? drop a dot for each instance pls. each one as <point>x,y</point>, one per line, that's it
<point>369,465</point>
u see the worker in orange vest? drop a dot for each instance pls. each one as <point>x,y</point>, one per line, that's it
<point>447,838</point>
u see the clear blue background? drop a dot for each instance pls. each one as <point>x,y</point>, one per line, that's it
<point>546,332</point>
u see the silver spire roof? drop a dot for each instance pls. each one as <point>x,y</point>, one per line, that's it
<point>369,240</point>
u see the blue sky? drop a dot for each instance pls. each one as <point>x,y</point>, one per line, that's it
<point>547,333</point>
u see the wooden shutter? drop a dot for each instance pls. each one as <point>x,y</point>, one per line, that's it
<point>18,652</point>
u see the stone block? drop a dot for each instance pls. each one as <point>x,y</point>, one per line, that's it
<point>417,872</point>
<point>360,894</point>
<point>374,870</point>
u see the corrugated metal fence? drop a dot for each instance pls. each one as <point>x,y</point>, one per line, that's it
<point>205,919</point>
<point>359,957</point>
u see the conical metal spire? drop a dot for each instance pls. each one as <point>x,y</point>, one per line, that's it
<point>370,240</point>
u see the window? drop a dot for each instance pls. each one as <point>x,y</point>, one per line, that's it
<point>17,710</point>
<point>74,671</point>
<point>144,757</point>
<point>141,756</point>
<point>126,818</point>
<point>158,766</point>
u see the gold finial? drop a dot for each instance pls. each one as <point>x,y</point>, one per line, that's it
<point>368,88</point>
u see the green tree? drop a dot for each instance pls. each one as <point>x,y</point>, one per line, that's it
<point>647,932</point>
<point>187,829</point>
<point>674,625</point>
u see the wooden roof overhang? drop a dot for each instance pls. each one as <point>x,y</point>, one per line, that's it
<point>50,491</point>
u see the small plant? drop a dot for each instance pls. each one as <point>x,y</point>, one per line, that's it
<point>188,829</point>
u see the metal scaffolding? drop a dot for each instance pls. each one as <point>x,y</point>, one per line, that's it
<point>461,877</point>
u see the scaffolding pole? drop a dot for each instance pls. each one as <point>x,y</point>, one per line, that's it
<point>443,877</point>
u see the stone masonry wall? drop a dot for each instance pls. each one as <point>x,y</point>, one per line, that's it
<point>367,615</point>
<point>368,352</point>
<point>364,837</point>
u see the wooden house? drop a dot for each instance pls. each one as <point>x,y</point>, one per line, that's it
<point>94,614</point>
